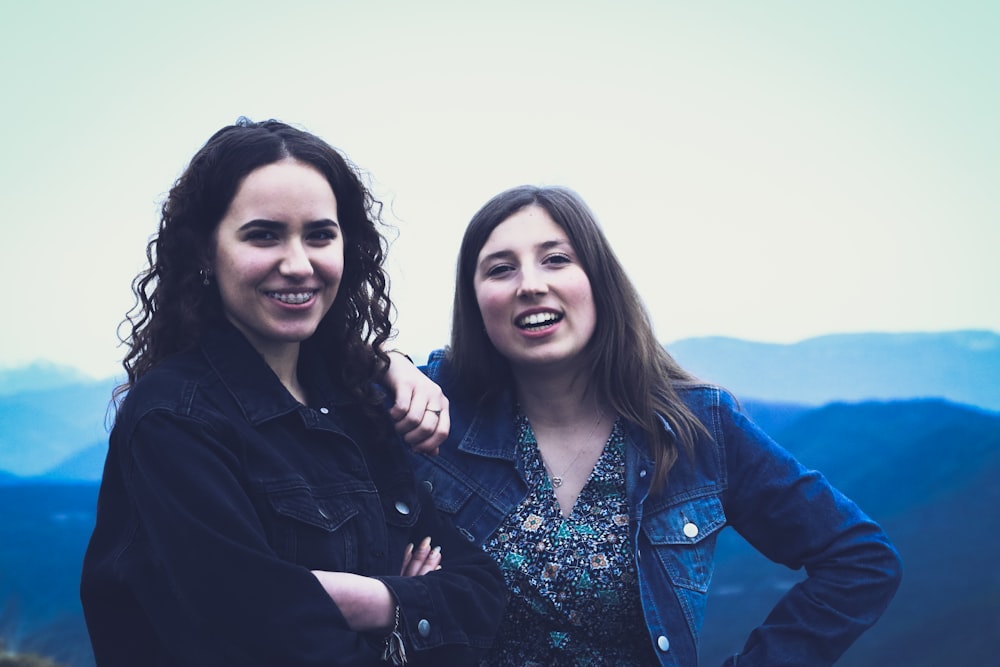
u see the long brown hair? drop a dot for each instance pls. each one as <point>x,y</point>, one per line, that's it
<point>628,368</point>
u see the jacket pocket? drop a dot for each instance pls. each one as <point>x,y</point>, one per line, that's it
<point>314,528</point>
<point>473,515</point>
<point>683,537</point>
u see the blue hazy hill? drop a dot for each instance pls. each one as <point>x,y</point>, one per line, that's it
<point>926,470</point>
<point>39,375</point>
<point>41,428</point>
<point>960,366</point>
<point>49,415</point>
<point>44,529</point>
<point>85,465</point>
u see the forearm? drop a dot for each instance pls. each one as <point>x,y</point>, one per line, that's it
<point>366,603</point>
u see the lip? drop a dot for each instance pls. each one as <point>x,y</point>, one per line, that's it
<point>542,330</point>
<point>292,297</point>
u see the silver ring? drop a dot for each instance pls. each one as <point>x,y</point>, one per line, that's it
<point>436,412</point>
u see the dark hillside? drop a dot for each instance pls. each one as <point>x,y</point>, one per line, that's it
<point>44,530</point>
<point>926,470</point>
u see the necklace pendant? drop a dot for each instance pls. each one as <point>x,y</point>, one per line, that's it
<point>557,482</point>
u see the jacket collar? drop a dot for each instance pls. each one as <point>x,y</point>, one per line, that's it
<point>252,383</point>
<point>492,432</point>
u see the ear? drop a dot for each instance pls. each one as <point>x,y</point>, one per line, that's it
<point>206,255</point>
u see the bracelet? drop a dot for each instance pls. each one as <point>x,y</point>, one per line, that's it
<point>394,651</point>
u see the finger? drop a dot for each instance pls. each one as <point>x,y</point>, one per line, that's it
<point>407,558</point>
<point>433,561</point>
<point>432,431</point>
<point>403,411</point>
<point>401,405</point>
<point>429,564</point>
<point>417,558</point>
<point>417,415</point>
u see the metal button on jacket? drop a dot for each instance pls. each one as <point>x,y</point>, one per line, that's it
<point>690,530</point>
<point>663,643</point>
<point>424,627</point>
<point>402,507</point>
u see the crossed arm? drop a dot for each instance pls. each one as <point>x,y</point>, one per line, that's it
<point>366,602</point>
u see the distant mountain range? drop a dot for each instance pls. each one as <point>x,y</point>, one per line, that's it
<point>42,429</point>
<point>39,375</point>
<point>52,418</point>
<point>960,366</point>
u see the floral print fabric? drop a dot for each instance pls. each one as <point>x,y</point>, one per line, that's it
<point>574,590</point>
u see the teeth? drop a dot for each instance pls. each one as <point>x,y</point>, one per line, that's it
<point>538,319</point>
<point>292,299</point>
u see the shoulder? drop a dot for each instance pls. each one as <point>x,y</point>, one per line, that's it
<point>708,402</point>
<point>460,403</point>
<point>438,367</point>
<point>175,386</point>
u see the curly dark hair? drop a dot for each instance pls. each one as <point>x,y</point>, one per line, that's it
<point>173,308</point>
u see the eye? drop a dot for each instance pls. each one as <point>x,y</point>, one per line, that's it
<point>498,270</point>
<point>558,258</point>
<point>323,235</point>
<point>259,235</point>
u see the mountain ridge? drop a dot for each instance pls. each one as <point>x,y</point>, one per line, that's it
<point>959,366</point>
<point>56,425</point>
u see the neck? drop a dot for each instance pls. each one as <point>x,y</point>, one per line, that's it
<point>285,364</point>
<point>556,401</point>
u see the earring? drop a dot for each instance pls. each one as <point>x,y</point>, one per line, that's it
<point>205,275</point>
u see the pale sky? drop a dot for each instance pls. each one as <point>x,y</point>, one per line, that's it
<point>766,170</point>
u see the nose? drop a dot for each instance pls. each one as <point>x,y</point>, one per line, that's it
<point>296,262</point>
<point>532,283</point>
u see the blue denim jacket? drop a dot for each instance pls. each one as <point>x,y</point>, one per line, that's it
<point>740,477</point>
<point>221,492</point>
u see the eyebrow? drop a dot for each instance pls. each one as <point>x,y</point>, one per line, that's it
<point>277,225</point>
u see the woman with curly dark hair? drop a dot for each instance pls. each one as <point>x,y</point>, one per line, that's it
<point>257,507</point>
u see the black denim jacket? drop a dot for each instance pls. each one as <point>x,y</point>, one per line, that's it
<point>221,492</point>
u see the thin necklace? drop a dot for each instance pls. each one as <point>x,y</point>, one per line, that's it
<point>557,480</point>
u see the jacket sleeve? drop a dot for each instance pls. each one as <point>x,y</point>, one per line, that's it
<point>795,517</point>
<point>449,616</point>
<point>200,565</point>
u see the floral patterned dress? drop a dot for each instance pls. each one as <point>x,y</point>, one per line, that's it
<point>574,589</point>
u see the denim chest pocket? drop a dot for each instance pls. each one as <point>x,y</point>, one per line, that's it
<point>683,537</point>
<point>314,528</point>
<point>453,498</point>
<point>449,496</point>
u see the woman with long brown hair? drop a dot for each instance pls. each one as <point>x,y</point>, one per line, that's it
<point>597,472</point>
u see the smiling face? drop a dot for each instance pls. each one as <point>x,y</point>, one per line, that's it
<point>533,294</point>
<point>279,256</point>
